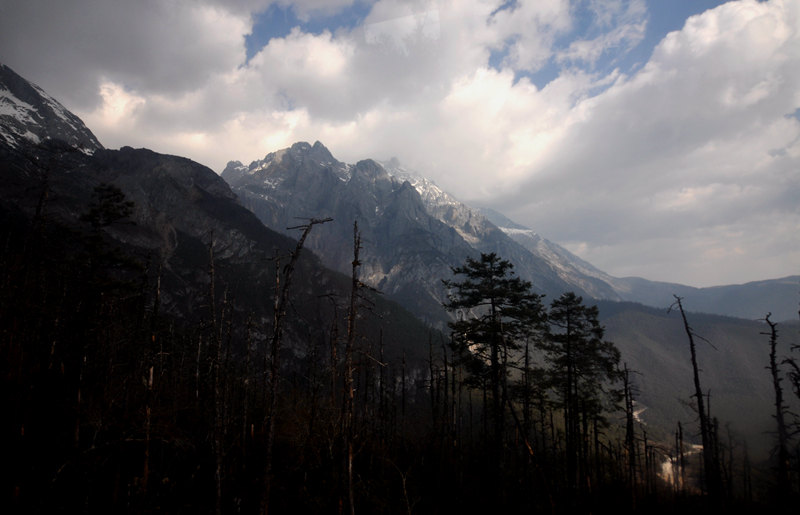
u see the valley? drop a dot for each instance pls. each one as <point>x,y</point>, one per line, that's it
<point>139,319</point>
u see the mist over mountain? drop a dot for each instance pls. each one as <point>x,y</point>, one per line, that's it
<point>752,300</point>
<point>416,241</point>
<point>413,233</point>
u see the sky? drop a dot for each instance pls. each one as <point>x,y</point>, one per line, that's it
<point>653,138</point>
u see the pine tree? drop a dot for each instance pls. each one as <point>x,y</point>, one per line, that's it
<point>495,313</point>
<point>582,367</point>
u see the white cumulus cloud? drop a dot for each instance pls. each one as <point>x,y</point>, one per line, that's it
<point>683,168</point>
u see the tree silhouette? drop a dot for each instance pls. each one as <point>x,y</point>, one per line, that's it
<point>780,412</point>
<point>582,367</point>
<point>710,465</point>
<point>495,312</point>
<point>108,205</point>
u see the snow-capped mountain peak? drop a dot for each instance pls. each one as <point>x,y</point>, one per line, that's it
<point>301,155</point>
<point>430,192</point>
<point>31,116</point>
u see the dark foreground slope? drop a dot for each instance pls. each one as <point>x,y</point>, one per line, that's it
<point>181,212</point>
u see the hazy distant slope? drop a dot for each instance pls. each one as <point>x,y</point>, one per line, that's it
<point>570,267</point>
<point>654,343</point>
<point>752,300</point>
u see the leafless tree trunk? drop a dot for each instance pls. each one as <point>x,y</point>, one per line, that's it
<point>279,308</point>
<point>247,385</point>
<point>347,418</point>
<point>334,343</point>
<point>630,434</point>
<point>403,394</point>
<point>780,410</point>
<point>681,458</point>
<point>217,348</point>
<point>709,464</point>
<point>434,395</point>
<point>149,365</point>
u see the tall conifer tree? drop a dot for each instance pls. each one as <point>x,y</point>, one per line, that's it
<point>583,368</point>
<point>495,311</point>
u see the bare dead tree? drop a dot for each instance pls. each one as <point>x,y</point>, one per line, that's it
<point>279,314</point>
<point>333,341</point>
<point>780,410</point>
<point>149,366</point>
<point>709,463</point>
<point>630,430</point>
<point>681,459</point>
<point>217,347</point>
<point>246,386</point>
<point>403,393</point>
<point>347,415</point>
<point>794,370</point>
<point>434,397</point>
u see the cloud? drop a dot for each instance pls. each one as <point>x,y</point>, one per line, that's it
<point>151,46</point>
<point>528,31</point>
<point>394,24</point>
<point>620,28</point>
<point>306,9</point>
<point>307,71</point>
<point>693,153</point>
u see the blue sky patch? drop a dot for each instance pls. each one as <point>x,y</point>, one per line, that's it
<point>279,20</point>
<point>662,17</point>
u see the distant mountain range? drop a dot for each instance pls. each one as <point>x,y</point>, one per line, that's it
<point>416,232</point>
<point>752,300</point>
<point>412,236</point>
<point>413,233</point>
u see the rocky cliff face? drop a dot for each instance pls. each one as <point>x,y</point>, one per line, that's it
<point>548,266</point>
<point>413,232</point>
<point>406,250</point>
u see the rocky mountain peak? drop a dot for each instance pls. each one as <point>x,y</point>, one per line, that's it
<point>407,186</point>
<point>413,231</point>
<point>317,152</point>
<point>370,170</point>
